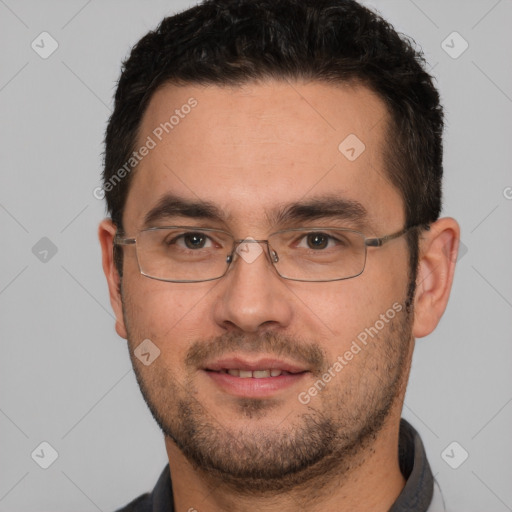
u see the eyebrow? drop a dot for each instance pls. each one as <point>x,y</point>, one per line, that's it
<point>322,207</point>
<point>173,206</point>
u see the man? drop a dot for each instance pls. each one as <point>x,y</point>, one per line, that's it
<point>273,175</point>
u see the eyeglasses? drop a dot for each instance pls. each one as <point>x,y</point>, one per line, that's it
<point>190,254</point>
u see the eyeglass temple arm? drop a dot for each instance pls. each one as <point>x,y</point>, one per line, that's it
<point>123,241</point>
<point>378,242</point>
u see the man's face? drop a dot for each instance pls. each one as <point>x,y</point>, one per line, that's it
<point>252,151</point>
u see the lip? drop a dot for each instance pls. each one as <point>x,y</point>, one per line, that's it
<point>252,387</point>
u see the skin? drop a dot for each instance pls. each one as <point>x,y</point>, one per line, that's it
<point>249,149</point>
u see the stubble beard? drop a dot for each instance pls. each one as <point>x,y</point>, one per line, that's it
<point>331,436</point>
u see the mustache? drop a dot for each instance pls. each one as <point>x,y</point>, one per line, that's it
<point>278,345</point>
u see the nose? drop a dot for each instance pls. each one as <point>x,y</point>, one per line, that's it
<point>252,296</point>
<point>250,252</point>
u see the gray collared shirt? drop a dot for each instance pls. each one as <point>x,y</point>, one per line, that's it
<point>420,494</point>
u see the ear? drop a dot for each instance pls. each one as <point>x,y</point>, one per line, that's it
<point>106,232</point>
<point>438,255</point>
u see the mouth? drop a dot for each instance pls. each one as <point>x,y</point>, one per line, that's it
<point>255,374</point>
<point>259,378</point>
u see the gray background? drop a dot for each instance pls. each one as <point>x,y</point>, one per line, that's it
<point>65,375</point>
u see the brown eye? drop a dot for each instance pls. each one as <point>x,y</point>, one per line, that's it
<point>194,240</point>
<point>190,240</point>
<point>317,241</point>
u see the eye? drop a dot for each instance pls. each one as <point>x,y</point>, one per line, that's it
<point>192,241</point>
<point>317,241</point>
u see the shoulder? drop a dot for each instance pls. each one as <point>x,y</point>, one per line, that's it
<point>160,499</point>
<point>140,504</point>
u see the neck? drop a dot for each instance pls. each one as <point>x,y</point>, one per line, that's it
<point>371,480</point>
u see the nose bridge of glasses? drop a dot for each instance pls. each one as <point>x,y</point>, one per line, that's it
<point>237,244</point>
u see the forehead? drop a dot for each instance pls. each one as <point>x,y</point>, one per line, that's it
<point>253,148</point>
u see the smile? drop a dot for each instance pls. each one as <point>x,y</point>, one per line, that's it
<point>255,374</point>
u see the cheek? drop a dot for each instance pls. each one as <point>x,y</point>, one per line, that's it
<point>386,276</point>
<point>170,313</point>
<point>339,311</point>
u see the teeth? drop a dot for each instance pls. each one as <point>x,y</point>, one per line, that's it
<point>260,374</point>
<point>256,374</point>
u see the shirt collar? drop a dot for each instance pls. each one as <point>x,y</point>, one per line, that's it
<point>418,490</point>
